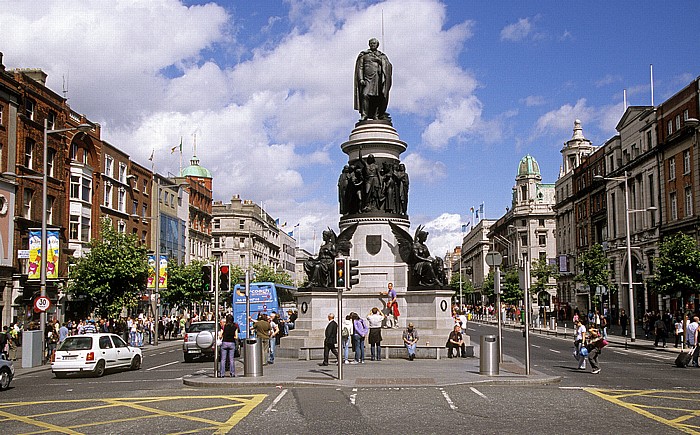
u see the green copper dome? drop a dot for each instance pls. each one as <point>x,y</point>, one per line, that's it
<point>194,170</point>
<point>528,167</point>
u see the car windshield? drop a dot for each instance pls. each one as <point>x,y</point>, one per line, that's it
<point>76,343</point>
<point>199,327</point>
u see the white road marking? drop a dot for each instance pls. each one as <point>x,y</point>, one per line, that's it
<point>275,402</point>
<point>555,351</point>
<point>162,365</point>
<point>479,393</point>
<point>534,345</point>
<point>447,398</point>
<point>353,396</point>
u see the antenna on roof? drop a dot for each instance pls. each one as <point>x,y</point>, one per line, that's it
<point>651,79</point>
<point>624,100</point>
<point>65,85</point>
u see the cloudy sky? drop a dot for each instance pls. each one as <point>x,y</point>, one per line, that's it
<point>266,87</point>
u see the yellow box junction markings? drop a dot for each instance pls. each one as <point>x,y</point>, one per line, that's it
<point>242,405</point>
<point>689,400</point>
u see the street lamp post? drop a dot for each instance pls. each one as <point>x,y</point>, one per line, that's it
<point>630,281</point>
<point>42,265</point>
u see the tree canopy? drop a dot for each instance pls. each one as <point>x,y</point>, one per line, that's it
<point>112,274</point>
<point>185,284</point>
<point>594,268</point>
<point>677,268</point>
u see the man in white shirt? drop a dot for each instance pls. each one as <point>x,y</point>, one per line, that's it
<point>580,342</point>
<point>691,336</point>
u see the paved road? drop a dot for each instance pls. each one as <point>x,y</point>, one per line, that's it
<point>637,391</point>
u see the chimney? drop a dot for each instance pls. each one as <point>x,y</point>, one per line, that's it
<point>2,67</point>
<point>35,74</point>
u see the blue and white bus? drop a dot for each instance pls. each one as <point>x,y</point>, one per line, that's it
<point>263,299</point>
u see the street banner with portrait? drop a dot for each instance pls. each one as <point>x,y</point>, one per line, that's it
<point>162,273</point>
<point>52,257</point>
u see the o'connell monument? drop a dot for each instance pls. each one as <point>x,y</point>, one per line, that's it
<point>373,194</point>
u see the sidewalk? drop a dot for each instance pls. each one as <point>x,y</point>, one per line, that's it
<point>565,330</point>
<point>387,373</point>
<point>19,370</point>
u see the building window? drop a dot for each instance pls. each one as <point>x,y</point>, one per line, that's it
<point>121,226</point>
<point>674,205</point>
<point>543,240</point>
<point>29,109</point>
<point>27,203</point>
<point>50,159</point>
<point>144,233</point>
<point>109,166</point>
<point>678,122</point>
<point>135,208</point>
<point>145,186</point>
<point>523,193</point>
<point>121,200</point>
<point>523,240</point>
<point>29,154</point>
<point>635,151</point>
<point>649,144</point>
<point>685,115</point>
<point>216,243</point>
<point>49,209</point>
<point>241,224</point>
<point>669,127</point>
<point>688,201</point>
<point>122,172</point>
<point>74,151</point>
<point>74,187</point>
<point>87,189</point>
<point>85,229</point>
<point>74,228</point>
<point>144,210</point>
<point>672,168</point>
<point>541,222</point>
<point>108,195</point>
<point>217,223</point>
<point>686,162</point>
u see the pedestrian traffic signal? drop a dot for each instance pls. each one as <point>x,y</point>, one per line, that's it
<point>224,277</point>
<point>206,278</point>
<point>339,273</point>
<point>353,271</point>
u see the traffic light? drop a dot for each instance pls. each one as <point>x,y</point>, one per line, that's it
<point>206,278</point>
<point>353,271</point>
<point>339,273</point>
<point>224,277</point>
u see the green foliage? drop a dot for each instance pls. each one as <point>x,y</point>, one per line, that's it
<point>512,292</point>
<point>264,273</point>
<point>594,268</point>
<point>677,268</point>
<point>112,274</point>
<point>185,284</point>
<point>467,286</point>
<point>543,272</point>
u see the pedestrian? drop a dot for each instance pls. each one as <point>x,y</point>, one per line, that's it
<point>594,346</point>
<point>678,326</point>
<point>375,318</point>
<point>262,332</point>
<point>410,338</point>
<point>360,331</point>
<point>274,335</point>
<point>659,331</point>
<point>392,304</point>
<point>228,336</point>
<point>330,340</point>
<point>455,341</point>
<point>623,322</point>
<point>579,344</point>
<point>346,336</point>
<point>691,334</point>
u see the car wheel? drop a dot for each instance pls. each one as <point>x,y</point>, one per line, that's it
<point>189,358</point>
<point>5,378</point>
<point>136,362</point>
<point>99,369</point>
<point>60,375</point>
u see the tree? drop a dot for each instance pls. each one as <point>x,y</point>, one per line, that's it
<point>594,269</point>
<point>467,286</point>
<point>265,273</point>
<point>543,272</point>
<point>112,274</point>
<point>510,285</point>
<point>185,284</point>
<point>677,268</point>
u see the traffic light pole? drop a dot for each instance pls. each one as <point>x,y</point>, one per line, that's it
<point>340,333</point>
<point>216,322</point>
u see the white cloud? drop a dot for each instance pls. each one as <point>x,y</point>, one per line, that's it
<point>533,100</point>
<point>422,169</point>
<point>454,119</point>
<point>445,233</point>
<point>561,120</point>
<point>608,79</point>
<point>517,31</point>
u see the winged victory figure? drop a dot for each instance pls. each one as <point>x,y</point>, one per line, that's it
<point>319,269</point>
<point>426,271</point>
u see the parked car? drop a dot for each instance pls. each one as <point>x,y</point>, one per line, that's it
<point>199,341</point>
<point>7,372</point>
<point>94,353</point>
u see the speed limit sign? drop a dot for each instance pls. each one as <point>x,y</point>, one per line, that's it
<point>42,303</point>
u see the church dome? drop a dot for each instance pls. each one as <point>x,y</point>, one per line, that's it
<point>195,170</point>
<point>528,167</point>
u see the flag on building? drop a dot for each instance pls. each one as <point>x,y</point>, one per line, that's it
<point>172,150</point>
<point>151,158</point>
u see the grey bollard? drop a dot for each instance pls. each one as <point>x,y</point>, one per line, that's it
<point>252,358</point>
<point>552,323</point>
<point>488,355</point>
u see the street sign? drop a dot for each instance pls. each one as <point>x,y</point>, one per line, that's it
<point>42,303</point>
<point>494,258</point>
<point>23,253</point>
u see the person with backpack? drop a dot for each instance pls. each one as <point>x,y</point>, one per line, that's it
<point>594,345</point>
<point>345,335</point>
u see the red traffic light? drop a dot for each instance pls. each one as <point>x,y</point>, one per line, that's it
<point>224,268</point>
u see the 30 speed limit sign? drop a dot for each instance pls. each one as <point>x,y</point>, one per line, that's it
<point>42,303</point>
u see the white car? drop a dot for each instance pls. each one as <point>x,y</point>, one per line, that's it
<point>94,353</point>
<point>7,372</point>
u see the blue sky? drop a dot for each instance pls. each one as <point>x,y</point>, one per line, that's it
<point>266,86</point>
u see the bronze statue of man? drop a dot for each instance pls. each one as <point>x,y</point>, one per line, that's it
<point>372,83</point>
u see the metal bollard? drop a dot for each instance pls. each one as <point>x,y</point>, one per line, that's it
<point>488,355</point>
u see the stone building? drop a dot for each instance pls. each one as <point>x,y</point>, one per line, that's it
<point>200,192</point>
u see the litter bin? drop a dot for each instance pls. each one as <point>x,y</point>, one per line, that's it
<point>488,355</point>
<point>252,358</point>
<point>552,323</point>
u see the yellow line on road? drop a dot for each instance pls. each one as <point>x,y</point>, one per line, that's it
<point>615,398</point>
<point>238,416</point>
<point>42,424</point>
